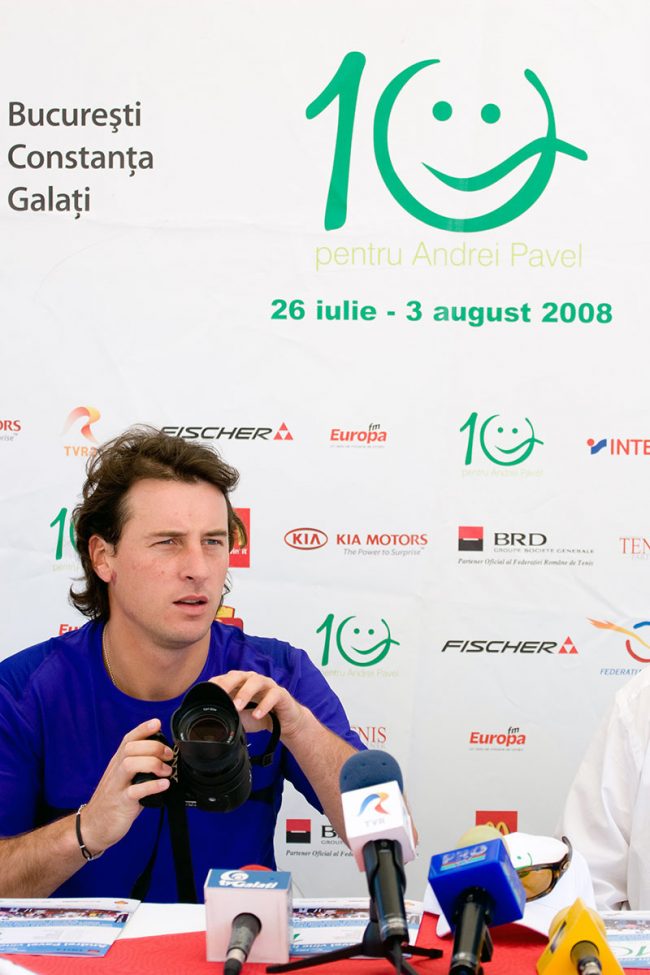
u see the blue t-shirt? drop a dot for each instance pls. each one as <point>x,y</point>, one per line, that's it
<point>62,719</point>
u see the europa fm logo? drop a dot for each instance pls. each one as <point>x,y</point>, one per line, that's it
<point>505,444</point>
<point>637,648</point>
<point>82,417</point>
<point>361,646</point>
<point>411,181</point>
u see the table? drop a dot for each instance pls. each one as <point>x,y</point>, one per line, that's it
<point>516,951</point>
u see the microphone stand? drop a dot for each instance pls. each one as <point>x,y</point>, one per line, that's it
<point>371,946</point>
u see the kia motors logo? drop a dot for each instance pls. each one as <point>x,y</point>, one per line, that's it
<point>306,539</point>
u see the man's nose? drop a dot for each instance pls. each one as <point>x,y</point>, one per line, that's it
<point>194,562</point>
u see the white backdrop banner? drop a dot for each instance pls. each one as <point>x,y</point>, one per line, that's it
<point>390,261</point>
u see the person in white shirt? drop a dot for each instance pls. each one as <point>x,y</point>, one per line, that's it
<point>607,812</point>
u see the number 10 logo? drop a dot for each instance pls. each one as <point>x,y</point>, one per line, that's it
<point>344,86</point>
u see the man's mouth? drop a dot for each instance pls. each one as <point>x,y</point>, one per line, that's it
<point>191,601</point>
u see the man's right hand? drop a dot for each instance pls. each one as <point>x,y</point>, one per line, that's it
<point>115,803</point>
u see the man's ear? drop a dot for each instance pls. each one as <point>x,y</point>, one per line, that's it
<point>101,554</point>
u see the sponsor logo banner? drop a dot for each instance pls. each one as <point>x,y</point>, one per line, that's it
<point>505,820</point>
<point>509,646</point>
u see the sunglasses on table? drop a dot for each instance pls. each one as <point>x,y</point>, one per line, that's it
<point>541,878</point>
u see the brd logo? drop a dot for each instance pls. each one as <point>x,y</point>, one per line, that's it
<point>396,169</point>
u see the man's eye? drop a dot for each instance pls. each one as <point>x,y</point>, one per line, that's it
<point>166,541</point>
<point>215,541</point>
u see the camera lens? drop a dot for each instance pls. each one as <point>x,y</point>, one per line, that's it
<point>213,765</point>
<point>207,728</point>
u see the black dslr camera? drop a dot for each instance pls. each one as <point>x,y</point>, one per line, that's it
<point>211,767</point>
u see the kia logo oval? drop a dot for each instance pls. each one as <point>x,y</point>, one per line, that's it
<point>306,539</point>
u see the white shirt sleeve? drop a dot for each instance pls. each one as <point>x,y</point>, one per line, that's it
<point>599,815</point>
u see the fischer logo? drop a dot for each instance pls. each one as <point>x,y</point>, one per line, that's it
<point>201,432</point>
<point>306,539</point>
<point>512,738</point>
<point>616,447</point>
<point>9,429</point>
<point>506,646</point>
<point>374,436</point>
<point>505,820</point>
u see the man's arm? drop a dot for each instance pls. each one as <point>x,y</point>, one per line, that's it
<point>599,809</point>
<point>319,752</point>
<point>34,864</point>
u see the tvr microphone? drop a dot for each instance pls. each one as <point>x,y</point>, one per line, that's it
<point>380,834</point>
<point>477,888</point>
<point>578,944</point>
<point>248,916</point>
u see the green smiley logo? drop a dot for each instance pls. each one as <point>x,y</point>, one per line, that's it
<point>545,147</point>
<point>343,89</point>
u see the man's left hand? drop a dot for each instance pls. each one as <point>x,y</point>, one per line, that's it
<point>245,686</point>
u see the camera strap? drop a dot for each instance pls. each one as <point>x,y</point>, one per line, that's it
<point>181,852</point>
<point>266,757</point>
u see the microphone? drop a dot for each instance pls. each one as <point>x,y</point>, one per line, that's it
<point>577,943</point>
<point>380,834</point>
<point>477,887</point>
<point>245,928</point>
<point>247,916</point>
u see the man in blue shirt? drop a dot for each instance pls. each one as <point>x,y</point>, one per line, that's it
<point>77,713</point>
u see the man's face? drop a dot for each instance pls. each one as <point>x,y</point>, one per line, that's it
<point>166,574</point>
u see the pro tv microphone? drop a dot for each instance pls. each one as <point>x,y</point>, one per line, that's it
<point>477,887</point>
<point>380,835</point>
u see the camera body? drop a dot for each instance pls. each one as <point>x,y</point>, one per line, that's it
<point>211,768</point>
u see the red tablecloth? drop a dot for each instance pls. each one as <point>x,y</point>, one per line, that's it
<point>516,951</point>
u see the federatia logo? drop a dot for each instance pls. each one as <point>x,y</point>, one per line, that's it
<point>360,646</point>
<point>637,648</point>
<point>617,447</point>
<point>343,89</point>
<point>504,444</point>
<point>85,417</point>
